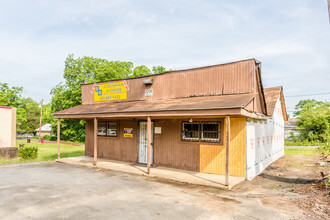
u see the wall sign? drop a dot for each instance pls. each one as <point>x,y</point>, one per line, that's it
<point>158,130</point>
<point>110,91</point>
<point>148,92</point>
<point>128,132</point>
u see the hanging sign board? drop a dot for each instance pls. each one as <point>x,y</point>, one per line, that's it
<point>110,91</point>
<point>128,132</point>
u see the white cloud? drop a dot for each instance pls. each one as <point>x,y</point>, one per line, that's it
<point>290,38</point>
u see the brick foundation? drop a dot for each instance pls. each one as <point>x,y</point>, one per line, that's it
<point>8,152</point>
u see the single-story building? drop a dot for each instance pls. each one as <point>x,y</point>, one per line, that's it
<point>215,119</point>
<point>46,129</point>
<point>8,132</point>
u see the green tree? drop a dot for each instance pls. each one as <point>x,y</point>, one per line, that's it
<point>47,116</point>
<point>314,119</point>
<point>83,70</point>
<point>306,104</point>
<point>28,111</point>
<point>10,96</point>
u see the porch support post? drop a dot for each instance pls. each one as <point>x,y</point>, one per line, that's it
<point>227,149</point>
<point>149,145</point>
<point>95,141</point>
<point>58,138</point>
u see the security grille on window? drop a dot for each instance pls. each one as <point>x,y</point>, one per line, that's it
<point>210,131</point>
<point>107,129</point>
<point>190,131</point>
<point>201,131</point>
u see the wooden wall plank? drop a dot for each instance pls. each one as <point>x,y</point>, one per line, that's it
<point>213,157</point>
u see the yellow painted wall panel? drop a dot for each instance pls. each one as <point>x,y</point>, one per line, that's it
<point>213,157</point>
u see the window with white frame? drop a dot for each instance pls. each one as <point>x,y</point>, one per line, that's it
<point>207,131</point>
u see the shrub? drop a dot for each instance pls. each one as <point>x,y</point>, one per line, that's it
<point>28,152</point>
<point>47,137</point>
<point>53,138</point>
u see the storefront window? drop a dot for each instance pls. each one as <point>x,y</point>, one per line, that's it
<point>107,129</point>
<point>201,131</point>
<point>190,131</point>
<point>101,128</point>
<point>211,131</point>
<point>112,129</point>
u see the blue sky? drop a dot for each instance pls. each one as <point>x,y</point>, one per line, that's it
<point>290,38</point>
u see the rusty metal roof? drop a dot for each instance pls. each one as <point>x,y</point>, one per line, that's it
<point>178,104</point>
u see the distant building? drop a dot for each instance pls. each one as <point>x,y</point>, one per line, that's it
<point>290,125</point>
<point>46,129</point>
<point>8,132</point>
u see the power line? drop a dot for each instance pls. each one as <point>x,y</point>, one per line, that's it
<point>325,93</point>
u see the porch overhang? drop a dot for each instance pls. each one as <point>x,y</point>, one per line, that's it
<point>203,106</point>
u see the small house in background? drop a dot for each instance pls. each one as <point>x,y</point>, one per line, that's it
<point>215,119</point>
<point>291,128</point>
<point>46,129</point>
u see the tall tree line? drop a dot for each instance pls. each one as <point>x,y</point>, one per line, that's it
<point>83,70</point>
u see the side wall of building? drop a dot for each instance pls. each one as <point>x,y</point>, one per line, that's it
<point>265,142</point>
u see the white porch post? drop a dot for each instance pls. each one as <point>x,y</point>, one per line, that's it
<point>58,138</point>
<point>227,149</point>
<point>149,145</point>
<point>95,141</point>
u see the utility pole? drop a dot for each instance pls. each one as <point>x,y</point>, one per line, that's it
<point>40,118</point>
<point>329,9</point>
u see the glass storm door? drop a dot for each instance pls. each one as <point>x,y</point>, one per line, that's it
<point>143,143</point>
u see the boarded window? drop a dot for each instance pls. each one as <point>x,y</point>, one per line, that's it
<point>201,131</point>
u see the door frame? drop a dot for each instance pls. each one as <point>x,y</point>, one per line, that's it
<point>152,142</point>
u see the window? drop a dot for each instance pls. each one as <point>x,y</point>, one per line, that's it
<point>112,129</point>
<point>107,129</point>
<point>190,131</point>
<point>101,127</point>
<point>201,131</point>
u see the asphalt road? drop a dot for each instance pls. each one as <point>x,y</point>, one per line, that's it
<point>50,190</point>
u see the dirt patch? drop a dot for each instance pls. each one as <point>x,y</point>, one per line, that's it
<point>298,178</point>
<point>318,199</point>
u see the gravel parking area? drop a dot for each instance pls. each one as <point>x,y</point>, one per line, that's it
<point>50,190</point>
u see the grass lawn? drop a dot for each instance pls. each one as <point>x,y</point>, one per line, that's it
<point>48,151</point>
<point>305,151</point>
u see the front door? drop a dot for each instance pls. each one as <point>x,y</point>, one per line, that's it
<point>143,143</point>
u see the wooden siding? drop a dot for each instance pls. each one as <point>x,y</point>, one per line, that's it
<point>171,151</point>
<point>115,148</point>
<point>231,78</point>
<point>213,157</point>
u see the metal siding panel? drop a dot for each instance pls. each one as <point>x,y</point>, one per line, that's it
<point>227,78</point>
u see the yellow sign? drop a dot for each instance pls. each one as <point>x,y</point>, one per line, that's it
<point>128,132</point>
<point>111,91</point>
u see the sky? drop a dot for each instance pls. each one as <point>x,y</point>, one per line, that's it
<point>290,38</point>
